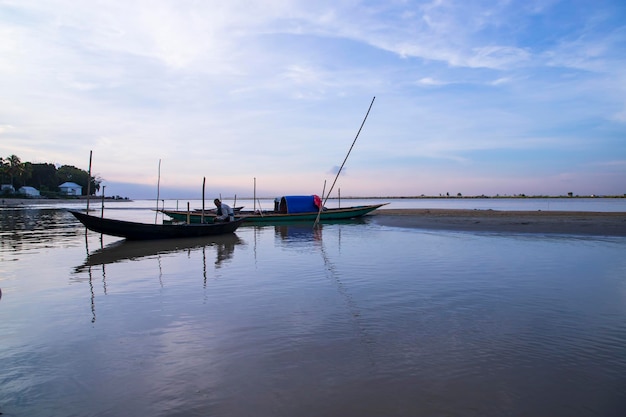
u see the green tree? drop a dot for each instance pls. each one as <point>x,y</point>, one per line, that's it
<point>69,173</point>
<point>24,177</point>
<point>44,177</point>
<point>95,184</point>
<point>4,165</point>
<point>15,167</point>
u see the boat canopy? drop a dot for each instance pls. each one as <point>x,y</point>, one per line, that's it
<point>300,203</point>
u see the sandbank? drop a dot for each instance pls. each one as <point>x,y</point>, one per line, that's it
<point>538,222</point>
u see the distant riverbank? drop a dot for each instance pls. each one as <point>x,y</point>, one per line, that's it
<point>19,202</point>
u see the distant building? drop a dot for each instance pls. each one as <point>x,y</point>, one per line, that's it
<point>29,191</point>
<point>70,188</point>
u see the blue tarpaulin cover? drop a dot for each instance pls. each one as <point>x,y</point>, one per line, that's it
<point>299,203</point>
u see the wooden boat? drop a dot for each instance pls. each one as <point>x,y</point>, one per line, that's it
<point>288,209</point>
<point>144,231</point>
<point>235,209</point>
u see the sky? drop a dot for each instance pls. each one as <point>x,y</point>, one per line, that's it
<point>473,97</point>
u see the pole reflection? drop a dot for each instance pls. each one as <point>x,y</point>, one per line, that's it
<point>125,251</point>
<point>299,237</point>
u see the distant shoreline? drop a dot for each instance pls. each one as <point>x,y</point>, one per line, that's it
<point>14,202</point>
<point>475,197</point>
<point>18,202</point>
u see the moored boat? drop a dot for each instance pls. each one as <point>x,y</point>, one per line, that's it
<point>287,209</point>
<point>145,231</point>
<point>235,209</point>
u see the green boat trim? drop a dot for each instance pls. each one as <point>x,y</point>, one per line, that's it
<point>274,217</point>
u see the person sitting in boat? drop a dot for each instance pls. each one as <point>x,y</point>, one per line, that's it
<point>224,212</point>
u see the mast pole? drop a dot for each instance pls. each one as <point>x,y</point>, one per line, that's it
<point>89,181</point>
<point>156,215</point>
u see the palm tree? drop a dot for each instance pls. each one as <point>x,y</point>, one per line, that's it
<point>15,167</point>
<point>3,168</point>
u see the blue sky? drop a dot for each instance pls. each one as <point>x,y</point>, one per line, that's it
<point>472,97</point>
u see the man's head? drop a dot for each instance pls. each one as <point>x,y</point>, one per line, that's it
<point>217,202</point>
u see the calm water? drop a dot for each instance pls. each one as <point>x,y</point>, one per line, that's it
<point>352,319</point>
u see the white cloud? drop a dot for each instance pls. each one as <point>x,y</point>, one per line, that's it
<point>428,81</point>
<point>6,128</point>
<point>501,81</point>
<point>496,57</point>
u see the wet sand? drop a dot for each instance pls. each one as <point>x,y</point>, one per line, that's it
<point>541,222</point>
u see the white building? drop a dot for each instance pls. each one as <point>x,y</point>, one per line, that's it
<point>29,191</point>
<point>70,188</point>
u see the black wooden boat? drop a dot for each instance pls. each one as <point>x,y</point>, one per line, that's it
<point>145,231</point>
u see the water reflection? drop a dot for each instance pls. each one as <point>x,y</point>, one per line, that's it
<point>30,228</point>
<point>304,232</point>
<point>124,250</point>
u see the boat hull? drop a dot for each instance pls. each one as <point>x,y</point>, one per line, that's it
<point>273,217</point>
<point>145,231</point>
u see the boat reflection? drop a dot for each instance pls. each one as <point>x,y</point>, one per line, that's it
<point>125,250</point>
<point>298,233</point>
<point>305,232</point>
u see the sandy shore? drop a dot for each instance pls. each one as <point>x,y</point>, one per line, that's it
<point>542,222</point>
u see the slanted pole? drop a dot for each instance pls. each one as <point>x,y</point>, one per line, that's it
<point>350,150</point>
<point>319,213</point>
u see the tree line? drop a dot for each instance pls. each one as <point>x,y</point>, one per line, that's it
<point>44,177</point>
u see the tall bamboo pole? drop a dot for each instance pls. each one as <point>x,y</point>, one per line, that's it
<point>89,181</point>
<point>319,212</point>
<point>158,190</point>
<point>343,163</point>
<point>102,208</point>
<point>353,142</point>
<point>203,185</point>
